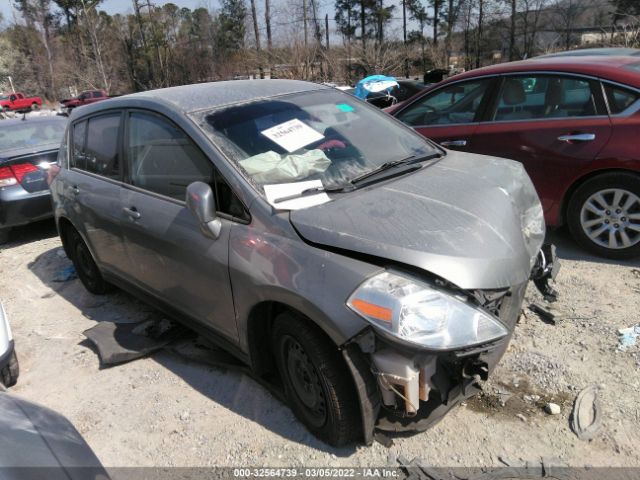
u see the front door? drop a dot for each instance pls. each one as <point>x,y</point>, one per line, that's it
<point>449,115</point>
<point>554,124</point>
<point>169,257</point>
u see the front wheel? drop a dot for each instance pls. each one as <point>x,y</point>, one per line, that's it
<point>316,380</point>
<point>603,215</point>
<point>86,267</point>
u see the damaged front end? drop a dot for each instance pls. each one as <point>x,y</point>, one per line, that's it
<point>404,386</point>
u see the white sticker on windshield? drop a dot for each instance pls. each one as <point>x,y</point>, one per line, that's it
<point>292,135</point>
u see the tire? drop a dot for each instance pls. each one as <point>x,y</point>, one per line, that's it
<point>603,215</point>
<point>86,267</point>
<point>9,374</point>
<point>316,380</point>
<point>4,235</point>
<point>6,109</point>
<point>35,106</point>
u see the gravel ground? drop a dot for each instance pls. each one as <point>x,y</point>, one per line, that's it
<point>165,410</point>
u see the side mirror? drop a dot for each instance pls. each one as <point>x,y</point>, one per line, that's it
<point>202,203</point>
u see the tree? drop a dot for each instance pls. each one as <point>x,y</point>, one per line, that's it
<point>37,15</point>
<point>231,27</point>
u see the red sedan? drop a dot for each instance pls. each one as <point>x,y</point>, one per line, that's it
<point>574,122</point>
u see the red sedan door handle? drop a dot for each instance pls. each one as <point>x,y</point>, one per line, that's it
<point>454,143</point>
<point>577,137</point>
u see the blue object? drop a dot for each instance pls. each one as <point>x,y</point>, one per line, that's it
<point>66,274</point>
<point>368,85</point>
<point>345,108</point>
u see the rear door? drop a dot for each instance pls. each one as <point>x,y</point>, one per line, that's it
<point>94,179</point>
<point>449,115</point>
<point>554,124</point>
<point>171,258</point>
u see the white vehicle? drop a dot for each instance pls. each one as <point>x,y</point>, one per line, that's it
<point>8,361</point>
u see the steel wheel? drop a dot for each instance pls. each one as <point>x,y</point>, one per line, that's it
<point>305,381</point>
<point>316,379</point>
<point>85,266</point>
<point>611,218</point>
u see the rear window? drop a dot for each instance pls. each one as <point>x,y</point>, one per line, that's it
<point>620,98</point>
<point>26,134</point>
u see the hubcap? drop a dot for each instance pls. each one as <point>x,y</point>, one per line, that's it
<point>611,218</point>
<point>305,381</point>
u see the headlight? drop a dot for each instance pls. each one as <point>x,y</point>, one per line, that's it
<point>421,314</point>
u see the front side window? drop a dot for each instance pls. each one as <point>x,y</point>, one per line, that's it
<point>457,103</point>
<point>323,135</point>
<point>162,159</point>
<point>101,150</point>
<point>619,98</point>
<point>544,97</point>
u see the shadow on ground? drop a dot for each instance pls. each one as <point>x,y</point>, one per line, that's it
<point>228,387</point>
<point>30,233</point>
<point>568,249</point>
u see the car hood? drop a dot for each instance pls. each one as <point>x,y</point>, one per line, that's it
<point>473,220</point>
<point>35,440</point>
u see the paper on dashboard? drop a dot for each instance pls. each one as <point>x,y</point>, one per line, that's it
<point>281,190</point>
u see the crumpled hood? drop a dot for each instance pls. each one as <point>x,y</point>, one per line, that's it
<point>473,220</point>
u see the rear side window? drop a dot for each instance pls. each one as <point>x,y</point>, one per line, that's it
<point>162,159</point>
<point>101,150</point>
<point>78,159</point>
<point>620,98</point>
<point>458,103</point>
<point>543,97</point>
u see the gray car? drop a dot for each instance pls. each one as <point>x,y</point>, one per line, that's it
<point>373,276</point>
<point>28,147</point>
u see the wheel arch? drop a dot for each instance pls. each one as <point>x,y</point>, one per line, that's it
<point>566,198</point>
<point>258,330</point>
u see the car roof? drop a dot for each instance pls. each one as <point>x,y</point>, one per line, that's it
<point>594,51</point>
<point>606,67</point>
<point>202,96</point>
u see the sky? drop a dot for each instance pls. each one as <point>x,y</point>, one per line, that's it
<point>122,6</point>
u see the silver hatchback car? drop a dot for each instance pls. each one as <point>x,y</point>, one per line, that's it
<point>346,259</point>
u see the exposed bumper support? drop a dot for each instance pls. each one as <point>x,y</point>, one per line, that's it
<point>546,269</point>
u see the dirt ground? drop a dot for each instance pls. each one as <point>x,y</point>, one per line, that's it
<point>165,410</point>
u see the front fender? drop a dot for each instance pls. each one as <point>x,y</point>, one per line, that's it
<point>272,267</point>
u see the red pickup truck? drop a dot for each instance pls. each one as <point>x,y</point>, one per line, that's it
<point>85,98</point>
<point>18,102</point>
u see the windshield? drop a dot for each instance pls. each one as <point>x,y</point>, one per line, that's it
<point>30,134</point>
<point>324,135</point>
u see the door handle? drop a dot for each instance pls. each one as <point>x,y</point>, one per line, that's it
<point>454,143</point>
<point>132,212</point>
<point>75,190</point>
<point>578,137</point>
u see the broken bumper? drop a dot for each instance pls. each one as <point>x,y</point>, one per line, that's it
<point>430,384</point>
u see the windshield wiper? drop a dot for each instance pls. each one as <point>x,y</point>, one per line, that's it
<point>314,190</point>
<point>389,165</point>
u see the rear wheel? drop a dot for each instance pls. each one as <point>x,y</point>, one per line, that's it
<point>9,374</point>
<point>603,215</point>
<point>317,383</point>
<point>35,106</point>
<point>85,265</point>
